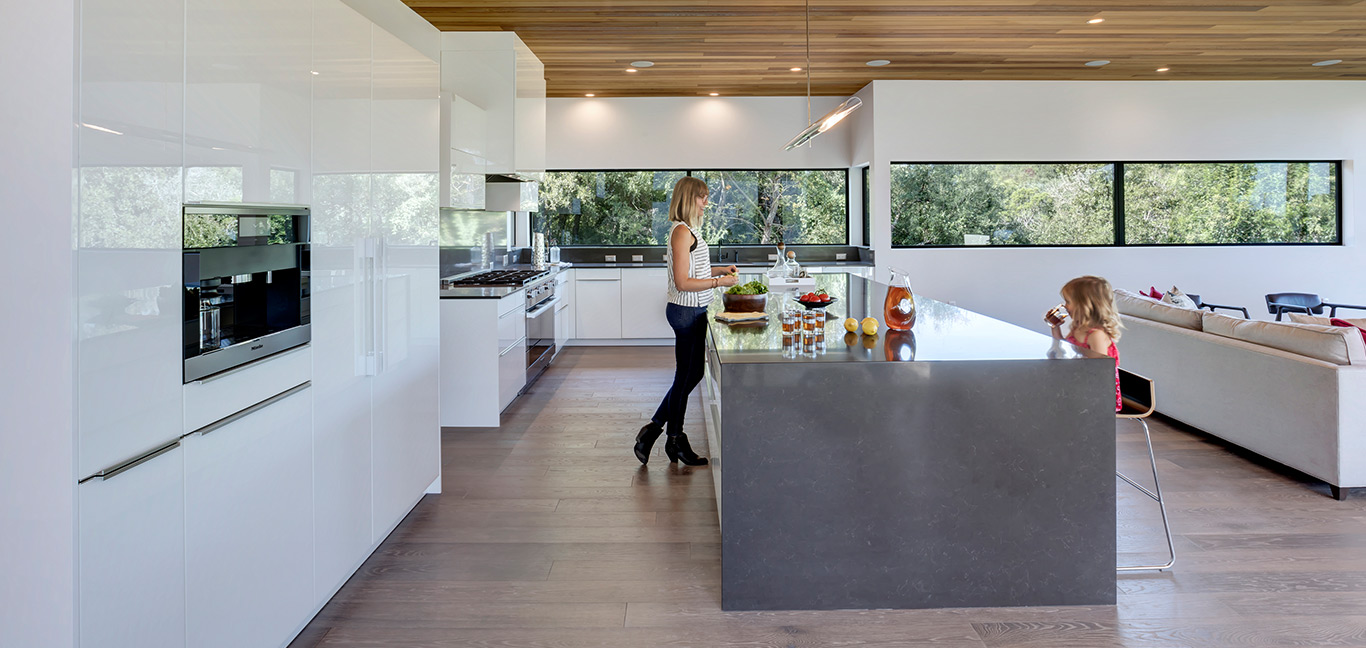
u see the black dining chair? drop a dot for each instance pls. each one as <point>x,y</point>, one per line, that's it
<point>1201,304</point>
<point>1308,303</point>
<point>1139,397</point>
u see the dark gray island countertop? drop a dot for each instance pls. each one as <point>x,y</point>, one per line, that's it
<point>965,463</point>
<point>942,332</point>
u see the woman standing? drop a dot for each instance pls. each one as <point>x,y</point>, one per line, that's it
<point>690,291</point>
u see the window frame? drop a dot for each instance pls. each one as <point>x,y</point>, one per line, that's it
<point>1118,210</point>
<point>689,173</point>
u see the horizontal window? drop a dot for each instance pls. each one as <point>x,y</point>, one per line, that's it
<point>745,207</point>
<point>1117,203</point>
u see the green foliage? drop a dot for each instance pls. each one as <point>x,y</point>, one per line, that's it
<point>1008,204</point>
<point>1232,202</point>
<point>745,207</point>
<point>1072,204</point>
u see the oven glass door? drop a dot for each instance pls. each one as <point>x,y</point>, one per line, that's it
<point>540,336</point>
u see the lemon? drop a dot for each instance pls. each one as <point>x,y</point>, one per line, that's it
<point>851,325</point>
<point>869,326</point>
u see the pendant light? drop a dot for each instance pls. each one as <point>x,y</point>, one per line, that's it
<point>831,118</point>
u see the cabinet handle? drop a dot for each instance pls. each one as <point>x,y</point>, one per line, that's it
<point>111,472</point>
<point>236,416</point>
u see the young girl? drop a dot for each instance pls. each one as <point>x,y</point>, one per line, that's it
<point>1090,303</point>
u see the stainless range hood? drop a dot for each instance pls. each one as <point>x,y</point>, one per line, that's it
<point>511,192</point>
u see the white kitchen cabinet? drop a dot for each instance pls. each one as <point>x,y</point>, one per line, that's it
<point>127,235</point>
<point>564,313</point>
<point>247,95</point>
<point>249,527</point>
<point>644,296</point>
<point>500,84</point>
<point>597,297</point>
<point>132,555</point>
<point>342,390</point>
<point>483,358</point>
<point>406,433</point>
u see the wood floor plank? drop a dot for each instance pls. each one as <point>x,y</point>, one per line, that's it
<point>550,534</point>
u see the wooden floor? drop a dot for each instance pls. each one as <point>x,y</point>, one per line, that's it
<point>550,534</point>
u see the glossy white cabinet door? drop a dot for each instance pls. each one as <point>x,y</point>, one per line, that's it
<point>644,295</point>
<point>249,527</point>
<point>132,556</point>
<point>128,275</point>
<point>247,95</point>
<point>406,431</point>
<point>341,200</point>
<point>565,291</point>
<point>597,305</point>
<point>511,373</point>
<point>469,363</point>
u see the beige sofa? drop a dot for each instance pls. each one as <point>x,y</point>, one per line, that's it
<point>1294,393</point>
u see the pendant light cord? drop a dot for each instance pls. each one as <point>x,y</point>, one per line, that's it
<point>808,61</point>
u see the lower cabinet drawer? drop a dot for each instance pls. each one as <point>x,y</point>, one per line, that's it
<point>511,374</point>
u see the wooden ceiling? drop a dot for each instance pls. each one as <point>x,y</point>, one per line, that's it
<point>747,47</point>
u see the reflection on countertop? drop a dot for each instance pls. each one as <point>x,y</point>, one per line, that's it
<point>942,332</point>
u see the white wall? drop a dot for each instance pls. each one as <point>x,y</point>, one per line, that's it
<point>37,485</point>
<point>1122,121</point>
<point>688,133</point>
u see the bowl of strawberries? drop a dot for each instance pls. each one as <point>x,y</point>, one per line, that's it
<point>817,299</point>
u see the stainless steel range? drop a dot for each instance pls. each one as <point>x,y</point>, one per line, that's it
<point>539,287</point>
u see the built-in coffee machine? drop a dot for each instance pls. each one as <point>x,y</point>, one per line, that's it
<point>246,284</point>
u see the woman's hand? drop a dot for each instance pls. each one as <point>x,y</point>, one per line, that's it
<point>730,269</point>
<point>725,281</point>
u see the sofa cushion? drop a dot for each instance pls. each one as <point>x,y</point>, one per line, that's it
<point>1344,323</point>
<point>1179,299</point>
<point>1301,318</point>
<point>1341,346</point>
<point>1131,304</point>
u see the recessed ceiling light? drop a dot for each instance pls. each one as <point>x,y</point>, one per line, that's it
<point>877,63</point>
<point>642,64</point>
<point>1326,63</point>
<point>715,94</point>
<point>1096,63</point>
<point>1163,69</point>
<point>314,72</point>
<point>796,69</point>
<point>1095,21</point>
<point>590,95</point>
<point>631,70</point>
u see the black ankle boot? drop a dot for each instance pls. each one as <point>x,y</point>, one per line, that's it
<point>677,449</point>
<point>646,440</point>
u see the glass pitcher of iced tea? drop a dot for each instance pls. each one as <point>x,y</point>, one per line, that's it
<point>898,311</point>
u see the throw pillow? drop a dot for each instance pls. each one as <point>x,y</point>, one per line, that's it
<point>1152,292</point>
<point>1177,298</point>
<point>1346,324</point>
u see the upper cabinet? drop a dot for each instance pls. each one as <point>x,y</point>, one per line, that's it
<point>493,113</point>
<point>248,86</point>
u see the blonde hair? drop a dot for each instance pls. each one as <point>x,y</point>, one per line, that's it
<point>1094,301</point>
<point>683,206</point>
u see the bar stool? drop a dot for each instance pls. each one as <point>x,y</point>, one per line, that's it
<point>1140,398</point>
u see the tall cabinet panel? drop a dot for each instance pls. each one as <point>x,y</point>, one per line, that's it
<point>247,100</point>
<point>132,556</point>
<point>406,432</point>
<point>249,527</point>
<point>341,202</point>
<point>128,230</point>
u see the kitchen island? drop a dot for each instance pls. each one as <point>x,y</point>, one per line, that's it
<point>967,462</point>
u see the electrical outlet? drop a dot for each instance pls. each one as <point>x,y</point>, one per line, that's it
<point>611,258</point>
<point>840,256</point>
<point>637,258</point>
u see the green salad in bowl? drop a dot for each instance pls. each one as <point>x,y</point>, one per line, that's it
<point>755,287</point>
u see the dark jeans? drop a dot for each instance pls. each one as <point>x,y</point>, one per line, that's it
<point>690,338</point>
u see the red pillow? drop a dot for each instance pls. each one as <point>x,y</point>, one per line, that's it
<point>1152,292</point>
<point>1344,323</point>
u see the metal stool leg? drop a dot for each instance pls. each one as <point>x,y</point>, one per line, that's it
<point>1157,497</point>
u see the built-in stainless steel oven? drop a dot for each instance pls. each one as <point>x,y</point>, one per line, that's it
<point>540,326</point>
<point>246,284</point>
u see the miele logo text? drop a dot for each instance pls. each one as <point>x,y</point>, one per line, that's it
<point>257,347</point>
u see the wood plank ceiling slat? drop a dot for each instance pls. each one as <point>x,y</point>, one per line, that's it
<point>745,48</point>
